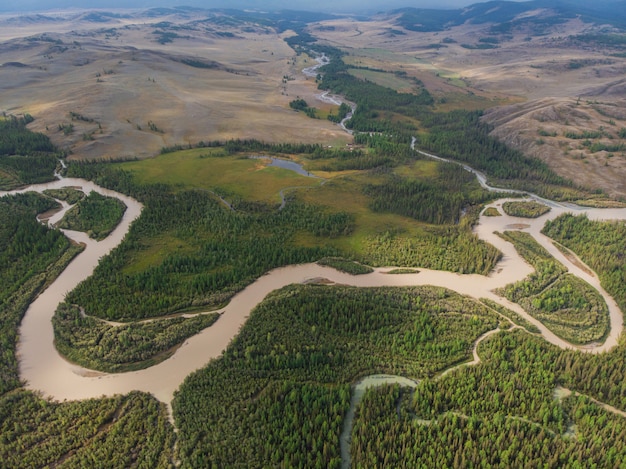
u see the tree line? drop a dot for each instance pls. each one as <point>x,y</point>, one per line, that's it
<point>26,157</point>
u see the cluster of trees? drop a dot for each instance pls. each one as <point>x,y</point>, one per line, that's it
<point>570,307</point>
<point>525,209</point>
<point>451,248</point>
<point>68,194</point>
<point>463,136</point>
<point>601,245</point>
<point>436,201</point>
<point>345,265</point>
<point>584,134</point>
<point>357,159</point>
<point>342,113</point>
<point>123,431</point>
<point>240,145</point>
<point>279,394</point>
<point>502,414</point>
<point>512,315</point>
<point>595,147</point>
<point>457,134</point>
<point>25,157</point>
<point>97,345</point>
<point>16,139</point>
<point>95,214</point>
<point>492,212</point>
<point>372,99</point>
<point>228,250</point>
<point>221,256</point>
<point>301,105</point>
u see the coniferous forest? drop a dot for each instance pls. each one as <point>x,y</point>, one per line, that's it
<point>95,214</point>
<point>25,157</point>
<point>489,391</point>
<point>116,432</point>
<point>279,394</point>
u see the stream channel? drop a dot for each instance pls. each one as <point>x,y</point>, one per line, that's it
<point>44,370</point>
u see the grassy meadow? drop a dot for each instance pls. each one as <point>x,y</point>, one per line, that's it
<point>228,176</point>
<point>238,178</point>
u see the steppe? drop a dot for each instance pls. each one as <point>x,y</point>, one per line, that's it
<point>131,95</point>
<point>536,88</point>
<point>132,84</point>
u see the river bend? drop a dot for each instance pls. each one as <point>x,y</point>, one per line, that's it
<point>43,369</point>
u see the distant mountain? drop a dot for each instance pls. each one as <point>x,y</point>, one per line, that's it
<point>100,17</point>
<point>541,12</point>
<point>504,16</point>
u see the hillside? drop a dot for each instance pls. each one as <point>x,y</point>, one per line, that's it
<point>538,68</point>
<point>106,85</point>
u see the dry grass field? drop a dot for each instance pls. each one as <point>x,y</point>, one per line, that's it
<point>576,137</point>
<point>531,86</point>
<point>130,94</point>
<point>134,95</point>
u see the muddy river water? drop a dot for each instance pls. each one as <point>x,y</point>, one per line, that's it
<point>44,370</point>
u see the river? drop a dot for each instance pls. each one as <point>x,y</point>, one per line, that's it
<point>327,97</point>
<point>43,369</point>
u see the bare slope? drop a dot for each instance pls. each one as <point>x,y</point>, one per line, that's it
<point>575,137</point>
<point>544,70</point>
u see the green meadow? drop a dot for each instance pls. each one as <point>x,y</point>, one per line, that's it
<point>228,176</point>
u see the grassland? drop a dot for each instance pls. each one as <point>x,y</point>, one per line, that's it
<point>374,237</point>
<point>232,177</point>
<point>243,96</point>
<point>388,80</point>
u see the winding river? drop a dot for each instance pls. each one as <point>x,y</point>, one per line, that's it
<point>43,369</point>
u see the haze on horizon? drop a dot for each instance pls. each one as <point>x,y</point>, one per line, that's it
<point>343,6</point>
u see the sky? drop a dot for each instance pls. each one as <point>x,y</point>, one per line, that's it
<point>331,6</point>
